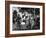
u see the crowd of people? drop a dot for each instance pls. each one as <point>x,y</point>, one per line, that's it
<point>24,19</point>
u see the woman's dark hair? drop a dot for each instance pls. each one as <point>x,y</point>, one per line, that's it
<point>14,15</point>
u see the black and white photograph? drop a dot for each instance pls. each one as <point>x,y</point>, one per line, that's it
<point>26,18</point>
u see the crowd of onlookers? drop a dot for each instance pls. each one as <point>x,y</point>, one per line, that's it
<point>24,19</point>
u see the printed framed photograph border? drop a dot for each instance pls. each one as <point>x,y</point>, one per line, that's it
<point>24,18</point>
